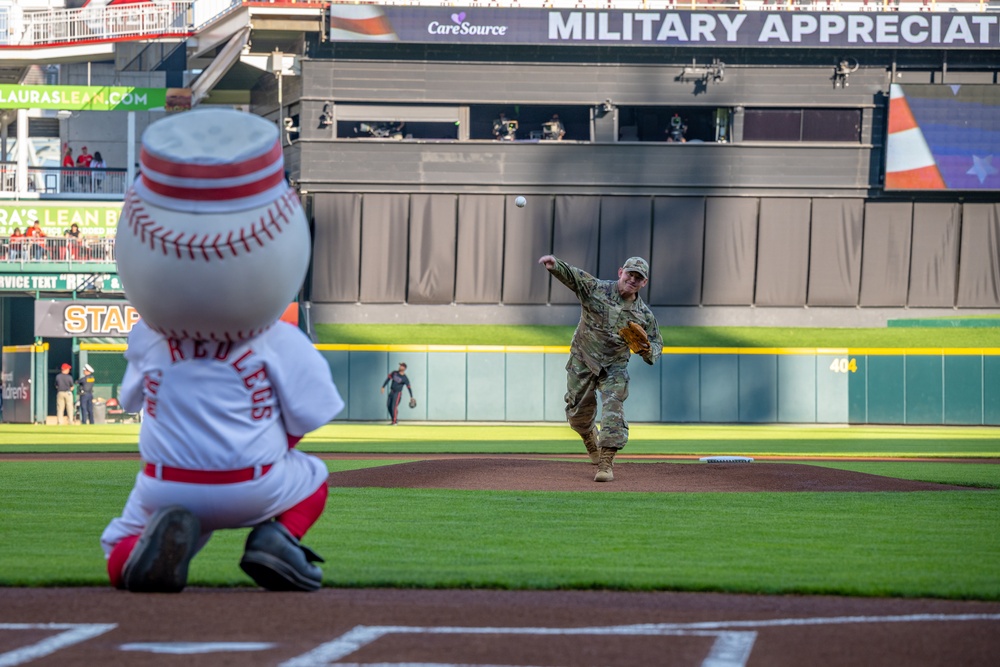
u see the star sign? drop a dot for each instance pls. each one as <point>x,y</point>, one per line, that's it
<point>982,167</point>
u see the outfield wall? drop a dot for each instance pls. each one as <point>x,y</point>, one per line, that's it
<point>456,383</point>
<point>689,385</point>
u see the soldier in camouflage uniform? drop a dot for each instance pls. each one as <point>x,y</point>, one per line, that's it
<point>598,360</point>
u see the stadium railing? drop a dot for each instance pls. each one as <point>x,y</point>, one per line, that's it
<point>59,180</point>
<point>49,249</point>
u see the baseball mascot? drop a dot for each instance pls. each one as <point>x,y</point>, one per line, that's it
<point>212,246</point>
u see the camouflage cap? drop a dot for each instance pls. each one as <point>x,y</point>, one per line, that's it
<point>637,264</point>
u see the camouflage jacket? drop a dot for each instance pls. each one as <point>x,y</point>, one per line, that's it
<point>596,341</point>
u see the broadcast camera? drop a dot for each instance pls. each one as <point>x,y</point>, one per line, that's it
<point>380,130</point>
<point>505,130</point>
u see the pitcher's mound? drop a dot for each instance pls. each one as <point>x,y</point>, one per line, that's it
<point>537,475</point>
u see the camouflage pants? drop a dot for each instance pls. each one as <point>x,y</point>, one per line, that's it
<point>582,387</point>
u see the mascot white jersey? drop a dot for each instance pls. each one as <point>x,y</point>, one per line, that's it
<point>212,246</point>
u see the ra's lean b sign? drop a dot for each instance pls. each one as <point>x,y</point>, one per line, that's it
<point>84,319</point>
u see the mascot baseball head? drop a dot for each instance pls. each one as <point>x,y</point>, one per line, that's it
<point>212,243</point>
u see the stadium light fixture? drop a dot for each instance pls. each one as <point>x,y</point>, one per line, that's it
<point>326,118</point>
<point>842,72</point>
<point>714,73</point>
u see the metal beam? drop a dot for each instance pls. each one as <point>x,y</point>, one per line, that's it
<point>228,56</point>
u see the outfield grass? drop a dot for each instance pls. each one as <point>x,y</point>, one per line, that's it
<point>918,544</point>
<point>505,438</point>
<point>487,334</point>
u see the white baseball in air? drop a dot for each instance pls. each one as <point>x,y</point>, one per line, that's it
<point>223,275</point>
<point>520,202</point>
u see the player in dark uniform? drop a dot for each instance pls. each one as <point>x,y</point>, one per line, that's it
<point>398,380</point>
<point>86,384</point>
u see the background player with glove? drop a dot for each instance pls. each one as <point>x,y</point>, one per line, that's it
<point>614,323</point>
<point>396,381</point>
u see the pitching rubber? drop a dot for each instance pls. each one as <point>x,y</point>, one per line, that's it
<point>726,459</point>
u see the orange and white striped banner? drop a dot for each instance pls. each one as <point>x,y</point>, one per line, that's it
<point>909,164</point>
<point>360,23</point>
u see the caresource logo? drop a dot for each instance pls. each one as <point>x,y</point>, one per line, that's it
<point>459,26</point>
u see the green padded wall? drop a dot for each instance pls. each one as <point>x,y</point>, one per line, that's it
<point>924,389</point>
<point>366,372</point>
<point>445,398</point>
<point>886,390</point>
<point>796,382</point>
<point>525,387</point>
<point>643,404</point>
<point>339,369</point>
<point>833,388</point>
<point>555,387</point>
<point>758,388</point>
<point>991,389</point>
<point>680,388</point>
<point>486,381</point>
<point>689,385</point>
<point>720,379</point>
<point>963,390</point>
<point>857,385</point>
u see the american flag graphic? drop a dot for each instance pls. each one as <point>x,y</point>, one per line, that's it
<point>943,136</point>
<point>360,22</point>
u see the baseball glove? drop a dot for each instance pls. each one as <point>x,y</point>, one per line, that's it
<point>413,402</point>
<point>636,338</point>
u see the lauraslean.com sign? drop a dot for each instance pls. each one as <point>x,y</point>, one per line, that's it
<point>652,28</point>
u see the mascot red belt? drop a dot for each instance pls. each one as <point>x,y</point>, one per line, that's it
<point>212,245</point>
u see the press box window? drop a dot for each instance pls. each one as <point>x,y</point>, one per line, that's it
<point>819,125</point>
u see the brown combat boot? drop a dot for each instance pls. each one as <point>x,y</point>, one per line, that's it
<point>604,473</point>
<point>590,442</point>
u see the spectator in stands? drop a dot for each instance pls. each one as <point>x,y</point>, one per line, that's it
<point>16,244</point>
<point>36,239</point>
<point>83,161</point>
<point>68,163</point>
<point>97,167</point>
<point>73,241</point>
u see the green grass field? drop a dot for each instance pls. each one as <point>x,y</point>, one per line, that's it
<point>472,334</point>
<point>917,544</point>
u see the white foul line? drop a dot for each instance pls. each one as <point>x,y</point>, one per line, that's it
<point>194,648</point>
<point>827,620</point>
<point>730,649</point>
<point>74,634</point>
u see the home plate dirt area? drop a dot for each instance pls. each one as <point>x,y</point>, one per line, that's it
<point>486,628</point>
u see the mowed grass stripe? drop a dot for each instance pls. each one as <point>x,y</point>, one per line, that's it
<point>499,438</point>
<point>926,544</point>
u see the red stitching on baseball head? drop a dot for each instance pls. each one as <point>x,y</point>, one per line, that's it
<point>277,216</point>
